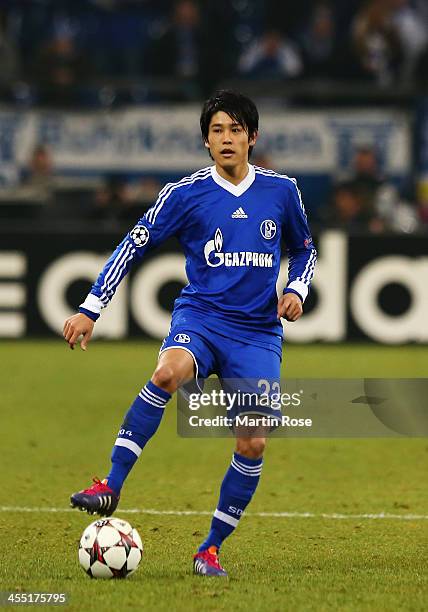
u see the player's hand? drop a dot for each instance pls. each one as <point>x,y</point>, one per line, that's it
<point>76,326</point>
<point>290,307</point>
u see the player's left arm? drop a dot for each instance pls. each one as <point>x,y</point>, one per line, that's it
<point>302,256</point>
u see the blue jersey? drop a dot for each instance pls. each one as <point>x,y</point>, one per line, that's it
<point>231,237</point>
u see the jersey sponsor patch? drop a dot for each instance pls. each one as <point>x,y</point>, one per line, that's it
<point>268,229</point>
<point>215,257</point>
<point>140,235</point>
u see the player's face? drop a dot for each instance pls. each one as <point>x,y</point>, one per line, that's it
<point>228,141</point>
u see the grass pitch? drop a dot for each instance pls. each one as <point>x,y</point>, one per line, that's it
<point>59,414</point>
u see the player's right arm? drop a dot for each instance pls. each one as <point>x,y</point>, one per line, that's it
<point>76,326</point>
<point>163,219</point>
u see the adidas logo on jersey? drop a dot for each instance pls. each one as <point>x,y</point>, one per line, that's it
<point>239,214</point>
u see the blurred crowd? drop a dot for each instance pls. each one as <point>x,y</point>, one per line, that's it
<point>103,53</point>
<point>365,200</point>
<point>361,199</point>
<point>54,51</point>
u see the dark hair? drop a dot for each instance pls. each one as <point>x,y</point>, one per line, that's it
<point>236,105</point>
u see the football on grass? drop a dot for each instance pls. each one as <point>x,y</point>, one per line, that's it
<point>110,548</point>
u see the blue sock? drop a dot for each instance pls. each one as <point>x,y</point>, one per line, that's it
<point>236,491</point>
<point>140,424</point>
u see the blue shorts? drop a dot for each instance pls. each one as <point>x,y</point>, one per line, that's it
<point>234,361</point>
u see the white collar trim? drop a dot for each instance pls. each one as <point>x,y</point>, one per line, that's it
<point>236,190</point>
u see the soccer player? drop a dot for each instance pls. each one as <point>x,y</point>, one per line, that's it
<point>230,218</point>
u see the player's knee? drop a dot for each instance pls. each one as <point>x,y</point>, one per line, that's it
<point>166,378</point>
<point>252,448</point>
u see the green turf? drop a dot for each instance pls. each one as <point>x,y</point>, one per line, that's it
<point>59,413</point>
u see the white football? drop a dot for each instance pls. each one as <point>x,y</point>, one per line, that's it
<point>110,548</point>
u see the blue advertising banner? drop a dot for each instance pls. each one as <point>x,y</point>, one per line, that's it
<point>168,140</point>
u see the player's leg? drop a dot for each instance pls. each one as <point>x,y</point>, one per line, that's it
<point>237,489</point>
<point>243,475</point>
<point>143,418</point>
<point>141,422</point>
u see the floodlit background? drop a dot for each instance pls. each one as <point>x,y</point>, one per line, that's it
<point>99,107</point>
<point>100,104</point>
